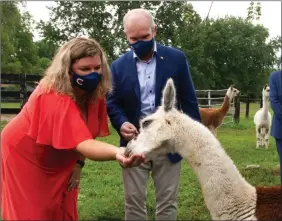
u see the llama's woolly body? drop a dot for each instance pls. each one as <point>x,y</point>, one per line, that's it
<point>262,120</point>
<point>213,117</point>
<point>269,203</point>
<point>227,195</point>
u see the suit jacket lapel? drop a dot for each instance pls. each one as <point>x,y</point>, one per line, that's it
<point>160,67</point>
<point>132,73</point>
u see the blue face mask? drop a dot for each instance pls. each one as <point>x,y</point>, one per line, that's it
<point>142,48</point>
<point>89,82</point>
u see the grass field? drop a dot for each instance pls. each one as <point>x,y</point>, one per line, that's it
<point>10,105</point>
<point>101,194</point>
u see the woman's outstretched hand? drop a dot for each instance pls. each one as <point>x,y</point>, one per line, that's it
<point>130,161</point>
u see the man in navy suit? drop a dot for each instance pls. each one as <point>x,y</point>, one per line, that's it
<point>275,84</point>
<point>139,77</point>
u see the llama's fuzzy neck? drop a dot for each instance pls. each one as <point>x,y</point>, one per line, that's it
<point>226,104</point>
<point>222,184</point>
<point>265,105</point>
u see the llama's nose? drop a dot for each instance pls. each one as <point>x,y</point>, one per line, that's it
<point>127,152</point>
<point>131,141</point>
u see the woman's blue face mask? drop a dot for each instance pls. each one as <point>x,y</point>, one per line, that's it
<point>88,82</point>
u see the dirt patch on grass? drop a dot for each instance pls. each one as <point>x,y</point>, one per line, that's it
<point>7,117</point>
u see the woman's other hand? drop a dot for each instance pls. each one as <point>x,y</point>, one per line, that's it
<point>75,178</point>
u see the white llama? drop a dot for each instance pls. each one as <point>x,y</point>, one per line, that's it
<point>227,195</point>
<point>262,120</point>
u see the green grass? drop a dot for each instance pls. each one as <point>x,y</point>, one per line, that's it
<point>10,105</point>
<point>101,194</point>
<point>3,123</point>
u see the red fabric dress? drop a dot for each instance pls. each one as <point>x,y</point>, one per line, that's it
<point>38,156</point>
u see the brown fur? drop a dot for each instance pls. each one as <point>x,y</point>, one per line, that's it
<point>269,203</point>
<point>212,118</point>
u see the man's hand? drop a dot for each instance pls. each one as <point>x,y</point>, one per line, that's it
<point>128,131</point>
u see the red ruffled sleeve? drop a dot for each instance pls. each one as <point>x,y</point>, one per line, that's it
<point>56,121</point>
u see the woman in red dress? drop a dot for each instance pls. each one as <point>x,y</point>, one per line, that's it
<point>45,145</point>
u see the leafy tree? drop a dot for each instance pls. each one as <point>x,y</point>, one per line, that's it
<point>41,65</point>
<point>9,26</point>
<point>45,49</point>
<point>220,51</point>
<point>18,51</point>
<point>235,51</point>
<point>254,11</point>
<point>71,19</point>
<point>172,18</point>
<point>103,21</point>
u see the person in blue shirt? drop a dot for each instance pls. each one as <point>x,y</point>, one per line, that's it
<point>275,84</point>
<point>139,77</point>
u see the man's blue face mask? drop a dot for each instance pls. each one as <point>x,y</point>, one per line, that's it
<point>142,48</point>
<point>89,82</point>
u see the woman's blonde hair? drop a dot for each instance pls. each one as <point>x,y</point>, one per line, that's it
<point>57,75</point>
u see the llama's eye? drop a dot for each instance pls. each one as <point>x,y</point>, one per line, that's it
<point>146,123</point>
<point>168,122</point>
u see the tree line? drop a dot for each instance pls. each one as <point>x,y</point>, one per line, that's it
<point>221,51</point>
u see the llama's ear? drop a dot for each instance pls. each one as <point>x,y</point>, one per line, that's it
<point>232,86</point>
<point>169,94</point>
<point>265,86</point>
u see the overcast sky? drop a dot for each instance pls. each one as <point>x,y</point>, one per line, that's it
<point>270,10</point>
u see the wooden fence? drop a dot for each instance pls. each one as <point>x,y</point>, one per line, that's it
<point>248,101</point>
<point>23,85</point>
<point>16,88</point>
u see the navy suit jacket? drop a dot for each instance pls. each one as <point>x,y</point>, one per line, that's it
<point>275,84</point>
<point>124,104</point>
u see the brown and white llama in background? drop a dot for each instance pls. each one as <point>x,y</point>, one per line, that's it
<point>212,118</point>
<point>227,195</point>
<point>262,120</point>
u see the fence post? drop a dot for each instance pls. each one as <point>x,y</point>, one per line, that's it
<point>247,107</point>
<point>23,92</point>
<point>209,98</point>
<point>236,117</point>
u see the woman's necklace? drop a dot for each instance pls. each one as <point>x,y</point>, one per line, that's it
<point>82,101</point>
<point>82,105</point>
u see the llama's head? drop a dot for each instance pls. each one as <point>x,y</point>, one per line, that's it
<point>232,92</point>
<point>265,91</point>
<point>158,131</point>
